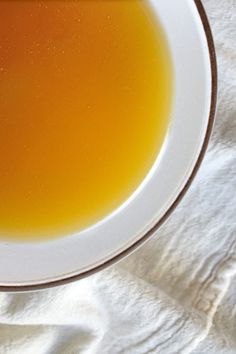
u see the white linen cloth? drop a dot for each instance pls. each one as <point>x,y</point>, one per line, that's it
<point>167,297</point>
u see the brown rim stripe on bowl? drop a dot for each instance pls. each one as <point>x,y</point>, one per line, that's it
<point>148,234</point>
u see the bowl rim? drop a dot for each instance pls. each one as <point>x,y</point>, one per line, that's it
<point>151,231</point>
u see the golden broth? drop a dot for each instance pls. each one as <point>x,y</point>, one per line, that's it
<point>84,107</point>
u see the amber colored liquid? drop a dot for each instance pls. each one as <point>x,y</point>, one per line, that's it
<point>84,106</point>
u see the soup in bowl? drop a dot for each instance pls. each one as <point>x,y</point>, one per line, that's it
<point>105,112</point>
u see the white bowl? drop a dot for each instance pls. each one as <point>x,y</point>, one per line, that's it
<point>26,266</point>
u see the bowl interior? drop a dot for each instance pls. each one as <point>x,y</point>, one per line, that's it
<point>49,261</point>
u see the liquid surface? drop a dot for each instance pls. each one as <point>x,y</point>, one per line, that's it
<point>84,105</point>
